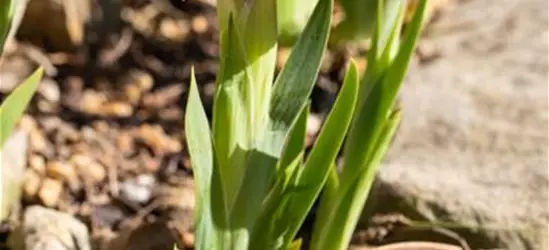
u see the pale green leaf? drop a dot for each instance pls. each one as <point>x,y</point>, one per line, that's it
<point>15,104</point>
<point>6,16</point>
<point>292,17</point>
<point>208,218</point>
<point>377,102</point>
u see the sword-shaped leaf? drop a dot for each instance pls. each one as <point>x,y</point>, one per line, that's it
<point>15,104</point>
<point>312,177</point>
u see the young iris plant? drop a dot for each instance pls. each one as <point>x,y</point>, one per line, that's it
<point>254,185</point>
<point>14,105</point>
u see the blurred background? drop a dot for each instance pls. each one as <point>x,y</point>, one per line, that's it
<point>106,155</point>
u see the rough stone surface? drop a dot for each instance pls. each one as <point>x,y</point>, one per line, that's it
<point>472,146</point>
<point>47,229</point>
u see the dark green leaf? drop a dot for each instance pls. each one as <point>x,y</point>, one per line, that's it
<point>294,84</point>
<point>322,156</point>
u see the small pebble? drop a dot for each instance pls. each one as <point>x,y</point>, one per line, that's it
<point>9,82</point>
<point>313,126</point>
<point>50,192</point>
<point>145,180</point>
<point>133,94</point>
<point>49,90</point>
<point>61,171</point>
<point>28,123</point>
<point>155,137</point>
<point>142,79</point>
<point>139,189</point>
<point>88,168</point>
<point>91,102</point>
<point>125,143</point>
<point>174,30</point>
<point>107,215</point>
<point>46,106</point>
<point>118,109</point>
<point>37,163</point>
<point>38,142</point>
<point>200,24</point>
<point>31,184</point>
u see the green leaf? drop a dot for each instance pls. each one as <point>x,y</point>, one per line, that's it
<point>295,82</point>
<point>296,245</point>
<point>292,17</point>
<point>368,139</point>
<point>323,154</point>
<point>296,139</point>
<point>377,102</point>
<point>289,97</point>
<point>15,104</point>
<point>6,16</point>
<point>231,117</point>
<point>274,204</point>
<point>328,195</point>
<point>197,133</point>
<point>341,211</point>
<point>360,16</point>
<point>267,233</point>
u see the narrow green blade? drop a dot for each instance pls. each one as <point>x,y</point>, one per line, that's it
<point>6,16</point>
<point>296,139</point>
<point>15,104</point>
<point>324,152</point>
<point>295,82</point>
<point>377,103</point>
<point>369,137</point>
<point>342,211</point>
<point>208,218</point>
<point>329,194</point>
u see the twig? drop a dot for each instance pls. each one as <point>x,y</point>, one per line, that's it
<point>121,47</point>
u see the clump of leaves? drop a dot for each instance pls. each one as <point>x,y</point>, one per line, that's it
<point>254,183</point>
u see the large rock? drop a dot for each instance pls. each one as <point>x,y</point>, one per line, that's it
<point>472,147</point>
